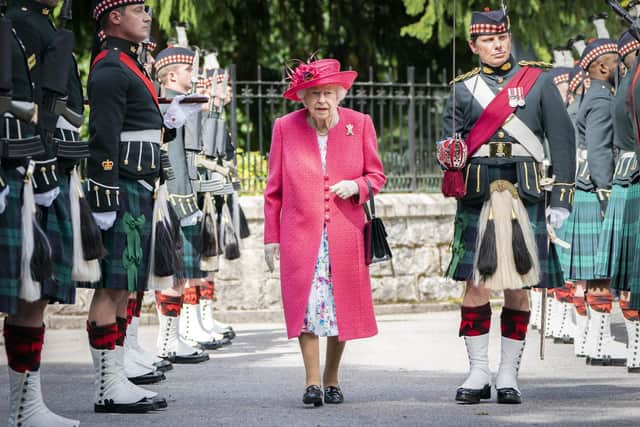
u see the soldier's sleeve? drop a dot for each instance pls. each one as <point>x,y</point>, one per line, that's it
<point>447,124</point>
<point>562,144</point>
<point>107,92</point>
<point>599,139</point>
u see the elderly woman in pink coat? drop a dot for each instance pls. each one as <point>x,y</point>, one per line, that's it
<point>320,161</point>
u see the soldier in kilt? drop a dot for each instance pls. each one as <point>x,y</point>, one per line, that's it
<point>500,238</point>
<point>174,67</point>
<point>593,186</point>
<point>124,170</point>
<point>21,297</point>
<point>618,255</point>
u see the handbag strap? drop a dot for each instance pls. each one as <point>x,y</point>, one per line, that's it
<point>370,214</point>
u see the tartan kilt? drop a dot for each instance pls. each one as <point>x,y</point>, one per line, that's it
<point>56,223</point>
<point>582,231</point>
<point>137,201</point>
<point>466,233</point>
<point>191,253</point>
<point>617,256</point>
<point>11,242</point>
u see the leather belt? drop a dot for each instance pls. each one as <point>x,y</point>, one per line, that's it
<point>501,150</point>
<point>21,148</point>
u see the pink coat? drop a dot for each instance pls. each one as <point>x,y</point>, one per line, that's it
<point>298,203</point>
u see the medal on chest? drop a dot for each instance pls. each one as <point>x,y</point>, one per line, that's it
<point>516,97</point>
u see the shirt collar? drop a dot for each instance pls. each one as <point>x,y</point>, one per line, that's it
<point>123,45</point>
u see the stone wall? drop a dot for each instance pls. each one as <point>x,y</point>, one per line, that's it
<point>420,227</point>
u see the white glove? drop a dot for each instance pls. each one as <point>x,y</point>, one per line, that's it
<point>104,220</point>
<point>191,219</point>
<point>271,253</point>
<point>178,113</point>
<point>345,189</point>
<point>557,216</point>
<point>46,199</point>
<point>3,199</point>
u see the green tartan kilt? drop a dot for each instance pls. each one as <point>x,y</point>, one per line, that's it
<point>11,242</point>
<point>138,202</point>
<point>618,256</point>
<point>191,253</point>
<point>56,223</point>
<point>582,231</point>
<point>464,246</point>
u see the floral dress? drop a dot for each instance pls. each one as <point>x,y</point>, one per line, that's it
<point>320,318</point>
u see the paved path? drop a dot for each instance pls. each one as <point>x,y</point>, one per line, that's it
<point>407,375</point>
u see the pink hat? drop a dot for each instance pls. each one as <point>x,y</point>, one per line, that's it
<point>318,73</point>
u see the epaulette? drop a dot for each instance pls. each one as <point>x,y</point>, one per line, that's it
<point>539,64</point>
<point>465,75</point>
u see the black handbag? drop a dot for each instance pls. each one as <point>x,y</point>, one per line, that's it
<point>376,248</point>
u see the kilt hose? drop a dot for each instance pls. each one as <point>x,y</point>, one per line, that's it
<point>191,253</point>
<point>617,257</point>
<point>11,242</point>
<point>582,231</point>
<point>128,242</point>
<point>55,221</point>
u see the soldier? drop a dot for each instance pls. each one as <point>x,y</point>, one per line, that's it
<point>126,129</point>
<point>23,328</point>
<point>505,146</point>
<point>618,255</point>
<point>593,186</point>
<point>174,68</point>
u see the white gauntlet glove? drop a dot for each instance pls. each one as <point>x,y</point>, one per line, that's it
<point>178,113</point>
<point>345,189</point>
<point>46,199</point>
<point>271,253</point>
<point>557,216</point>
<point>104,220</point>
<point>3,199</point>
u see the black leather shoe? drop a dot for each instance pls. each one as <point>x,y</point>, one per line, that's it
<point>312,395</point>
<point>140,407</point>
<point>563,340</point>
<point>633,370</point>
<point>159,402</point>
<point>163,365</point>
<point>148,378</point>
<point>333,394</point>
<point>606,361</point>
<point>229,333</point>
<point>509,395</point>
<point>470,396</point>
<point>195,357</point>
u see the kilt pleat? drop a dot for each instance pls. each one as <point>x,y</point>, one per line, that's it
<point>584,227</point>
<point>55,221</point>
<point>191,253</point>
<point>137,201</point>
<point>11,242</point>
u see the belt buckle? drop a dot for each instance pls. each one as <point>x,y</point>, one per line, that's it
<point>500,149</point>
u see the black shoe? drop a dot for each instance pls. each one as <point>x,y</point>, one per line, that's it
<point>509,395</point>
<point>159,402</point>
<point>163,365</point>
<point>195,357</point>
<point>635,370</point>
<point>229,333</point>
<point>563,340</point>
<point>148,378</point>
<point>333,394</point>
<point>606,361</point>
<point>139,407</point>
<point>469,395</point>
<point>312,395</point>
<point>211,345</point>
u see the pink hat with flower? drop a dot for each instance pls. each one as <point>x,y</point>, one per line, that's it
<point>317,73</point>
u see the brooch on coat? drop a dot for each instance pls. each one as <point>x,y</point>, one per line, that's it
<point>349,129</point>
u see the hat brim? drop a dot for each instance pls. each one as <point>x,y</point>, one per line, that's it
<point>342,78</point>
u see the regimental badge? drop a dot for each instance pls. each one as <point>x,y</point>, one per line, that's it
<point>516,97</point>
<point>107,165</point>
<point>31,61</point>
<point>349,129</point>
